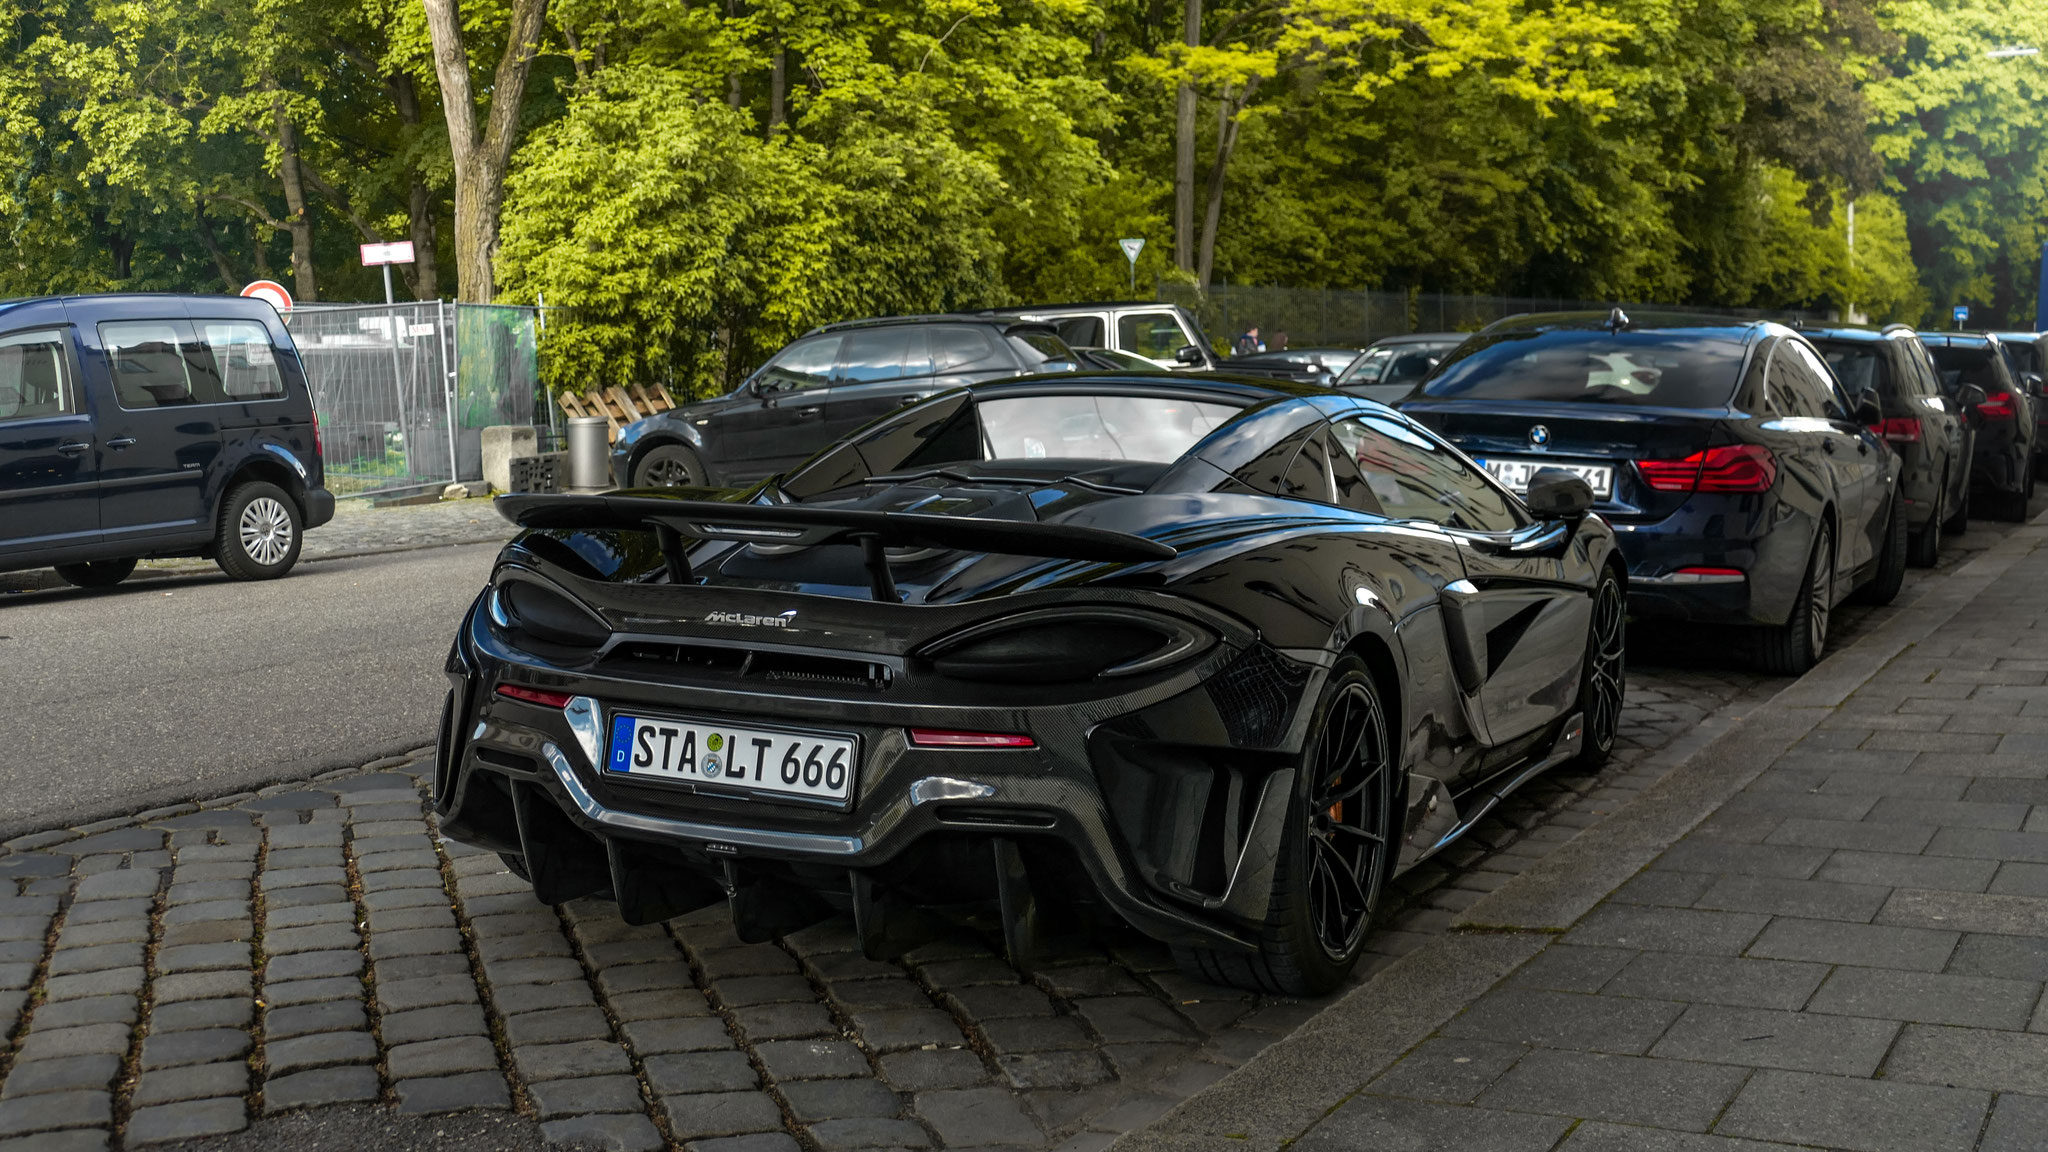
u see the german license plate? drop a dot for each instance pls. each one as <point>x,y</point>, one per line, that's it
<point>741,760</point>
<point>1517,473</point>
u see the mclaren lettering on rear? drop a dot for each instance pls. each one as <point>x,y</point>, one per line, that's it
<point>747,620</point>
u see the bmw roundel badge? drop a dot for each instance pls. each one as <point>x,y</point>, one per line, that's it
<point>1538,435</point>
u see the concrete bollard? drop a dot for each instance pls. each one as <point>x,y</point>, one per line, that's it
<point>590,466</point>
<point>502,443</point>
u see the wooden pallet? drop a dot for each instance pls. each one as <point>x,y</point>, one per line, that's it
<point>619,406</point>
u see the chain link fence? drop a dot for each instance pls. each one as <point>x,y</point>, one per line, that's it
<point>1330,317</point>
<point>404,391</point>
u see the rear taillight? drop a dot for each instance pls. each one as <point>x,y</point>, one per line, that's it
<point>940,738</point>
<point>1899,429</point>
<point>1997,406</point>
<point>1729,468</point>
<point>317,449</point>
<point>1723,572</point>
<point>534,696</point>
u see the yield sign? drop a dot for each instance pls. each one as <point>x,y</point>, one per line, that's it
<point>1131,248</point>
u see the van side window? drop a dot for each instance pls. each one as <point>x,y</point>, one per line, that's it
<point>148,362</point>
<point>33,382</point>
<point>243,359</point>
<point>1154,335</point>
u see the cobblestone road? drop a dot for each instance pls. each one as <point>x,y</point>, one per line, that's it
<point>175,974</point>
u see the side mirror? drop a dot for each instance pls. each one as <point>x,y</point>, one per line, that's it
<point>1555,494</point>
<point>1969,396</point>
<point>2032,381</point>
<point>1869,412</point>
<point>1188,354</point>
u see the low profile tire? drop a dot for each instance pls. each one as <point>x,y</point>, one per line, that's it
<point>1891,560</point>
<point>669,466</point>
<point>259,534</point>
<point>1603,679</point>
<point>1796,645</point>
<point>1923,549</point>
<point>96,573</point>
<point>1336,851</point>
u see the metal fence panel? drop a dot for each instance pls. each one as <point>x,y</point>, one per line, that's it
<point>404,391</point>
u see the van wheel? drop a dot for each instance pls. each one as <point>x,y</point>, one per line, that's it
<point>1795,646</point>
<point>259,534</point>
<point>668,466</point>
<point>96,573</point>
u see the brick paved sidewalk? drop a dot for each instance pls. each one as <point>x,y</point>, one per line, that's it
<point>1848,952</point>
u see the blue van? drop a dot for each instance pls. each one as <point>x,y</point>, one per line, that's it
<point>143,426</point>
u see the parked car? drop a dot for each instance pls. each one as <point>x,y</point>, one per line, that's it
<point>1210,657</point>
<point>1166,334</point>
<point>2028,353</point>
<point>822,386</point>
<point>1305,365</point>
<point>1928,430</point>
<point>1111,360</point>
<point>1392,366</point>
<point>142,426</point>
<point>1744,486</point>
<point>2002,468</point>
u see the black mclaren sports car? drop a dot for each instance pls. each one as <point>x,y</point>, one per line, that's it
<point>1209,657</point>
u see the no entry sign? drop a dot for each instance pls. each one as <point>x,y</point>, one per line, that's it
<point>271,293</point>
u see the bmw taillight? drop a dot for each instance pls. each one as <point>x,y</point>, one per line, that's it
<point>1898,429</point>
<point>1729,468</point>
<point>1997,406</point>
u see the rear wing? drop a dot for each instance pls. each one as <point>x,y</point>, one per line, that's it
<point>809,526</point>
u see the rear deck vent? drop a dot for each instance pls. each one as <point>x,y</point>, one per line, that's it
<point>746,664</point>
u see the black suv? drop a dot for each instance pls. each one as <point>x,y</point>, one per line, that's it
<point>822,386</point>
<point>1927,429</point>
<point>147,426</point>
<point>1976,374</point>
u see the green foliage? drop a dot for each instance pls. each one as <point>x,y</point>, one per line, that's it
<point>682,221</point>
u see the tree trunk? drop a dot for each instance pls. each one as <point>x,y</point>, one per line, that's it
<point>422,277</point>
<point>778,87</point>
<point>1184,150</point>
<point>732,78</point>
<point>298,215</point>
<point>480,161</point>
<point>212,246</point>
<point>1226,143</point>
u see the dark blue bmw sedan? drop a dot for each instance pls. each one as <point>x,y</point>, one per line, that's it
<point>1744,484</point>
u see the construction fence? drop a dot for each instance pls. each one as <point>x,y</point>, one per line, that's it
<point>404,391</point>
<point>1331,317</point>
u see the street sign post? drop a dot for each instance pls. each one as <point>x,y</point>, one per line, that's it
<point>1131,248</point>
<point>387,254</point>
<point>1962,314</point>
<point>271,293</point>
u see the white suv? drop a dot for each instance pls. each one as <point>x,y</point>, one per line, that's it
<point>1165,334</point>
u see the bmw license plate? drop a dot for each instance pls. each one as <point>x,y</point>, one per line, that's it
<point>1515,474</point>
<point>714,756</point>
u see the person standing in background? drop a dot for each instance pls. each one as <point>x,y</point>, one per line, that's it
<point>1249,342</point>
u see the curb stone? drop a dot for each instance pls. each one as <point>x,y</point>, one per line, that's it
<point>1276,1096</point>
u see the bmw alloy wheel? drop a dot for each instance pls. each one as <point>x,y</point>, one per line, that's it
<point>266,531</point>
<point>1608,655</point>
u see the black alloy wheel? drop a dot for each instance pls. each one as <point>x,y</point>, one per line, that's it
<point>669,466</point>
<point>1796,645</point>
<point>1603,681</point>
<point>1336,852</point>
<point>1924,550</point>
<point>96,573</point>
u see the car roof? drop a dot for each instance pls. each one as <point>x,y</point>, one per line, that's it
<point>933,318</point>
<point>1022,309</point>
<point>1422,338</point>
<point>211,300</point>
<point>1646,320</point>
<point>1959,339</point>
<point>1222,386</point>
